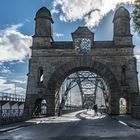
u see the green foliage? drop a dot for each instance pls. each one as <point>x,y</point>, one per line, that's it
<point>136,16</point>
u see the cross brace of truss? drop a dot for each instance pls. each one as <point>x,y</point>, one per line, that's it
<point>77,79</point>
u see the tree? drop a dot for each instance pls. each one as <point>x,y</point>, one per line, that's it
<point>136,16</point>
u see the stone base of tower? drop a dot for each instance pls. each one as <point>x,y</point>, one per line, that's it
<point>114,110</point>
<point>32,102</point>
<point>50,112</point>
<point>29,106</point>
<point>136,111</point>
<point>114,103</point>
<point>27,113</point>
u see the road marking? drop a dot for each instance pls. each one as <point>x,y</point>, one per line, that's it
<point>13,130</point>
<point>122,123</point>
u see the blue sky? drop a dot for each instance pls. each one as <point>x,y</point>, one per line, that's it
<point>17,27</point>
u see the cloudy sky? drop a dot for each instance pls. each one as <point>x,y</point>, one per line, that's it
<point>17,27</point>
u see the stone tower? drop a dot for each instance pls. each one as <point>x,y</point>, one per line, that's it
<point>53,61</point>
<point>122,34</point>
<point>43,28</point>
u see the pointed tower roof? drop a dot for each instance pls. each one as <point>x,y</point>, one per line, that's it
<point>121,12</point>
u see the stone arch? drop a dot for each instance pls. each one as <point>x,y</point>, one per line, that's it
<point>37,107</point>
<point>37,110</point>
<point>86,64</point>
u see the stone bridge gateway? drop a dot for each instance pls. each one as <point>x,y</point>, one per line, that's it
<point>53,61</point>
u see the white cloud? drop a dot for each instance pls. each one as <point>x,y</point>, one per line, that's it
<point>13,44</point>
<point>10,87</point>
<point>5,69</point>
<point>54,10</point>
<point>20,81</point>
<point>90,11</point>
<point>58,35</point>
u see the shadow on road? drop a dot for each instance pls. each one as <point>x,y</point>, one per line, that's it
<point>80,125</point>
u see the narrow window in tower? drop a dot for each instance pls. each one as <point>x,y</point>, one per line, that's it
<point>123,74</point>
<point>40,75</point>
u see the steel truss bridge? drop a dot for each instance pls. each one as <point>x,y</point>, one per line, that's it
<point>89,84</point>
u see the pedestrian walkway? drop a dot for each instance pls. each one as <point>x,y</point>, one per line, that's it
<point>64,118</point>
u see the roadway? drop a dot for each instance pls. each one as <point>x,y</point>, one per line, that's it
<point>80,125</point>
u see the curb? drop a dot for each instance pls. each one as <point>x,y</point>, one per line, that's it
<point>2,130</point>
<point>135,126</point>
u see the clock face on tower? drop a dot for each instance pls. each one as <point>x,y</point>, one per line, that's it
<point>82,45</point>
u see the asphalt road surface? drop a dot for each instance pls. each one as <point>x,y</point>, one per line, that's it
<point>80,125</point>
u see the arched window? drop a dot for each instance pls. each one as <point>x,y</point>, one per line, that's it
<point>40,107</point>
<point>123,106</point>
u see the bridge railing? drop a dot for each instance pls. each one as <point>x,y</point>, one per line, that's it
<point>11,97</point>
<point>11,115</point>
<point>5,113</point>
